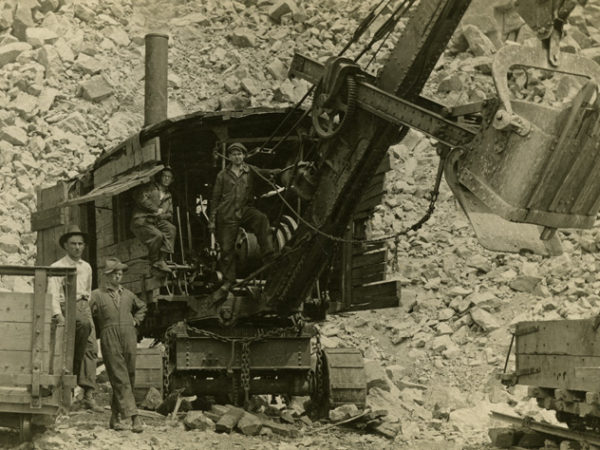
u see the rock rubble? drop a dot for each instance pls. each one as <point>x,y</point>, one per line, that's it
<point>71,87</point>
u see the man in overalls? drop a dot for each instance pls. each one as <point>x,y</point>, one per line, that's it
<point>116,312</point>
<point>232,207</point>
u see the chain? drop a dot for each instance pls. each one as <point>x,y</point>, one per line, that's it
<point>166,368</point>
<point>319,367</point>
<point>245,355</point>
<point>260,336</point>
<point>245,371</point>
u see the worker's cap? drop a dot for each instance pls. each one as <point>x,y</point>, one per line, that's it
<point>165,169</point>
<point>237,146</point>
<point>72,230</point>
<point>112,264</point>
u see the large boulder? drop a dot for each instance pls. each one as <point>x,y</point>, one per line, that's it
<point>479,43</point>
<point>485,320</point>
<point>196,420</point>
<point>9,52</point>
<point>37,36</point>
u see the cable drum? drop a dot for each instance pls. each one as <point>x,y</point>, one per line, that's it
<point>248,252</point>
<point>284,232</point>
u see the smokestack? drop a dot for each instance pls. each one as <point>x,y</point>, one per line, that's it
<point>155,104</point>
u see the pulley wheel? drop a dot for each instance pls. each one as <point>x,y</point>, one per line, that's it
<point>330,116</point>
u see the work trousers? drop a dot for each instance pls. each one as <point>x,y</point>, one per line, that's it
<point>157,234</point>
<point>87,374</point>
<point>118,344</point>
<point>83,328</point>
<point>227,230</point>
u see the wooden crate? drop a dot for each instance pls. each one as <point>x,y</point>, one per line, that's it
<point>148,372</point>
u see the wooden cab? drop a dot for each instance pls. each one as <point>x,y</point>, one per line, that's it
<point>101,202</point>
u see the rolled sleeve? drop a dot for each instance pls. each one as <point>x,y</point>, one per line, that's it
<point>55,289</point>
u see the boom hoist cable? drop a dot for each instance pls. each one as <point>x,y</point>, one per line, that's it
<point>358,33</point>
<point>331,110</point>
<point>335,95</point>
<point>412,228</point>
<point>382,33</point>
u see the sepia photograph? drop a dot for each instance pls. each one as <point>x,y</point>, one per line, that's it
<point>299,224</point>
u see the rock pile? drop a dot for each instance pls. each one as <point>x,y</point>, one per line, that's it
<point>262,418</point>
<point>71,87</point>
<point>63,100</point>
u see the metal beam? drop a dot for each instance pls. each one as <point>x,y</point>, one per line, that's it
<point>391,108</point>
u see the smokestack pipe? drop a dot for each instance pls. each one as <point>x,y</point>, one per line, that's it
<point>155,100</point>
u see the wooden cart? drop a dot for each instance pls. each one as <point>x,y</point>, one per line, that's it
<point>36,355</point>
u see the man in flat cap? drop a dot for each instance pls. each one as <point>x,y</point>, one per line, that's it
<point>117,311</point>
<point>232,207</point>
<point>86,346</point>
<point>152,221</point>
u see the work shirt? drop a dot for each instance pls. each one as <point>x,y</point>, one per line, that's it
<point>232,193</point>
<point>150,199</point>
<point>116,307</point>
<point>56,285</point>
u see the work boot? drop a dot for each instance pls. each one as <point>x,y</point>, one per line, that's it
<point>162,266</point>
<point>116,424</point>
<point>137,426</point>
<point>90,403</point>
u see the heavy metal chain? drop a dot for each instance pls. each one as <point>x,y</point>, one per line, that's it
<point>245,353</point>
<point>275,332</point>
<point>319,367</point>
<point>166,367</point>
<point>245,371</point>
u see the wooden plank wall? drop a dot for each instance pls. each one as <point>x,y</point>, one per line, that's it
<point>364,266</point>
<point>16,318</point>
<point>49,222</point>
<point>104,223</point>
<point>135,254</point>
<point>562,354</point>
<point>125,157</point>
<point>132,252</point>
